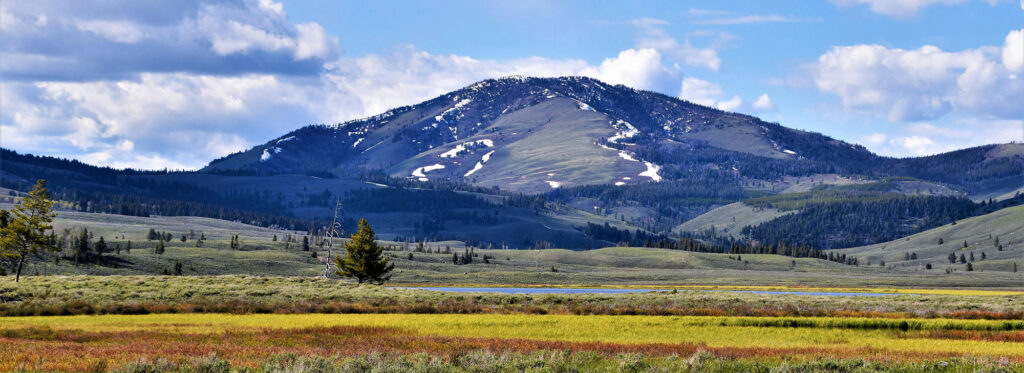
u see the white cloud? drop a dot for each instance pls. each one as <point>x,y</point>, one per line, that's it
<point>751,19</point>
<point>313,41</point>
<point>764,103</point>
<point>118,31</point>
<point>703,92</point>
<point>637,68</point>
<point>926,138</point>
<point>731,104</point>
<point>874,139</point>
<point>896,8</point>
<point>699,91</point>
<point>924,83</point>
<point>654,37</point>
<point>1013,50</point>
<point>56,40</point>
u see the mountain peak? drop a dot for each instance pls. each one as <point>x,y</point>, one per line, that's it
<point>534,134</point>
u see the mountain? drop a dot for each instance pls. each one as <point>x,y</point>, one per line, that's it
<point>535,134</point>
<point>570,162</point>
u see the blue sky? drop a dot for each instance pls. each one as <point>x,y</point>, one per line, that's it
<point>176,84</point>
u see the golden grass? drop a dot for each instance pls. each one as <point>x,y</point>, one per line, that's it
<point>715,332</point>
<point>795,288</point>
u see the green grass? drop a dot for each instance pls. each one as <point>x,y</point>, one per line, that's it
<point>979,232</point>
<point>119,294</point>
<point>260,255</point>
<point>730,219</point>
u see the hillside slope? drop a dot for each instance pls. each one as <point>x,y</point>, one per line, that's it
<point>983,233</point>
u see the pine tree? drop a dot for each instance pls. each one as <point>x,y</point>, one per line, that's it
<point>128,248</point>
<point>151,235</point>
<point>364,260</point>
<point>82,246</point>
<point>25,233</point>
<point>159,250</point>
<point>305,243</point>
<point>970,267</point>
<point>101,247</point>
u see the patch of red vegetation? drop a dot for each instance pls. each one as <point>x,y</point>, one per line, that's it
<point>43,349</point>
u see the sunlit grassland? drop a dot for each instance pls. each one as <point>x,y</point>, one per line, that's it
<point>830,336</point>
<point>261,255</point>
<point>63,295</point>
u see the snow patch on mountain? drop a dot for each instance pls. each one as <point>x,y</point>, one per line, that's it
<point>464,146</point>
<point>455,107</point>
<point>787,151</point>
<point>625,131</point>
<point>652,171</point>
<point>420,173</point>
<point>355,144</point>
<point>289,138</point>
<point>553,184</point>
<point>265,156</point>
<point>627,157</point>
<point>480,164</point>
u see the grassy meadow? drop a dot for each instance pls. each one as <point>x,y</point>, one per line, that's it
<point>262,307</point>
<point>44,343</point>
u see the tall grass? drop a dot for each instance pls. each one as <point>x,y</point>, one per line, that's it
<point>88,295</point>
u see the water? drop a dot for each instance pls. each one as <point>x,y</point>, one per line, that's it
<point>514,290</point>
<point>502,290</point>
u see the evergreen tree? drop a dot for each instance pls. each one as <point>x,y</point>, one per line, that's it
<point>364,260</point>
<point>159,249</point>
<point>128,248</point>
<point>952,258</point>
<point>151,235</point>
<point>25,233</point>
<point>101,246</point>
<point>305,243</point>
<point>82,247</point>
<point>970,267</point>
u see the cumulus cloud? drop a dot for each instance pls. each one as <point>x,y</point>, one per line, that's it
<point>653,36</point>
<point>924,83</point>
<point>637,68</point>
<point>56,40</point>
<point>925,138</point>
<point>1013,50</point>
<point>703,92</point>
<point>763,104</point>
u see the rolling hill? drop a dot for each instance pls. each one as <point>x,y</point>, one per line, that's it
<point>973,236</point>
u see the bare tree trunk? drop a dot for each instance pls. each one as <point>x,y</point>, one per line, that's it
<point>21,263</point>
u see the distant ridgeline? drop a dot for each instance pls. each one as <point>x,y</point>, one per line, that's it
<point>130,192</point>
